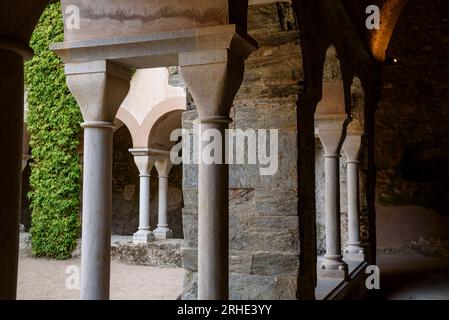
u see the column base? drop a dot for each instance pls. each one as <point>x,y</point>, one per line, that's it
<point>333,269</point>
<point>333,274</point>
<point>163,233</point>
<point>354,253</point>
<point>143,236</point>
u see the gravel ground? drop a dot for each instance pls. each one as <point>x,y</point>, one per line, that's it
<point>42,279</point>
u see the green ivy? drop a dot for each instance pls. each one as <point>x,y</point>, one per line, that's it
<point>54,124</point>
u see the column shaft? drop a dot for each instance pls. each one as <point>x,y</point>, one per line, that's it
<point>351,147</point>
<point>163,166</point>
<point>144,164</point>
<point>332,207</point>
<point>163,199</point>
<point>213,226</point>
<point>353,205</point>
<point>11,131</point>
<point>144,203</point>
<point>97,206</point>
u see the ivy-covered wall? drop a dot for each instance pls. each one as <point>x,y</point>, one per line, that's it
<point>54,124</point>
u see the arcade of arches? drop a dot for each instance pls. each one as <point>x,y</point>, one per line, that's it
<point>361,116</point>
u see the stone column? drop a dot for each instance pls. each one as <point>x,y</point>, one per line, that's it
<point>25,146</point>
<point>12,56</point>
<point>99,88</point>
<point>163,167</point>
<point>331,132</point>
<point>25,158</point>
<point>145,164</point>
<point>213,78</point>
<point>351,147</point>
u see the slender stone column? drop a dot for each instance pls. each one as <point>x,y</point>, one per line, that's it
<point>331,132</point>
<point>351,147</point>
<point>145,164</point>
<point>163,167</point>
<point>213,78</point>
<point>25,147</point>
<point>99,88</point>
<point>25,158</point>
<point>11,134</point>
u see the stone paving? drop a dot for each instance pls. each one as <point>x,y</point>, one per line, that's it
<point>42,279</point>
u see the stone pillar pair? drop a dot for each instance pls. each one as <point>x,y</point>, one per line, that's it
<point>145,163</point>
<point>213,77</point>
<point>332,133</point>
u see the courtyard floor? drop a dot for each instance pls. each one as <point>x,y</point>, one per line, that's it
<point>42,279</point>
<point>413,278</point>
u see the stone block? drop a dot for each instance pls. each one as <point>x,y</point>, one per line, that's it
<point>252,287</point>
<point>275,264</point>
<point>190,258</point>
<point>276,201</point>
<point>190,223</point>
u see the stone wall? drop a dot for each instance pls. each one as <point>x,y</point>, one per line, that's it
<point>412,135</point>
<point>125,191</point>
<point>263,209</point>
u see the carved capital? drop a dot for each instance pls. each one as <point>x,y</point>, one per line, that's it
<point>99,87</point>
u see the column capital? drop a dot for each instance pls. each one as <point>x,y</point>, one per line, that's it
<point>163,166</point>
<point>143,160</point>
<point>331,131</point>
<point>99,87</point>
<point>352,146</point>
<point>213,78</point>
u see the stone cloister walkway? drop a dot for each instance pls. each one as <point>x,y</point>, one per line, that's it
<point>42,279</point>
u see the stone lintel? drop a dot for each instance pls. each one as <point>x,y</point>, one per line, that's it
<point>151,152</point>
<point>159,49</point>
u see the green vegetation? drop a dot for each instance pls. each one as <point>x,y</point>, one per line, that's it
<point>54,124</point>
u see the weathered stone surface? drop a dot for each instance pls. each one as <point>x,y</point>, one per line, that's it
<point>175,78</point>
<point>163,253</point>
<point>191,201</point>
<point>283,202</point>
<point>190,285</point>
<point>190,223</point>
<point>274,264</point>
<point>137,17</point>
<point>247,287</point>
<point>190,258</point>
<point>252,287</point>
<point>240,262</point>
